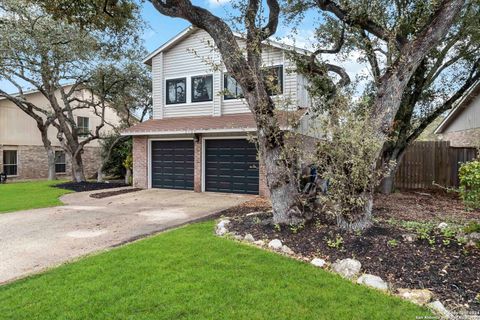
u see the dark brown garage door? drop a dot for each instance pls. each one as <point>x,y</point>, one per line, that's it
<point>231,166</point>
<point>172,164</point>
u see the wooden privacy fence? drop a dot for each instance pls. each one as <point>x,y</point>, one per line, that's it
<point>426,162</point>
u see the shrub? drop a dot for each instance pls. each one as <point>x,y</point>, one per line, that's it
<point>471,227</point>
<point>469,174</point>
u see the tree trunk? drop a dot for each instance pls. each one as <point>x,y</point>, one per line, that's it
<point>78,174</point>
<point>100,173</point>
<point>52,175</point>
<point>128,176</point>
<point>394,156</point>
<point>359,218</point>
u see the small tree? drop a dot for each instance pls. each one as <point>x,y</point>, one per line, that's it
<point>47,54</point>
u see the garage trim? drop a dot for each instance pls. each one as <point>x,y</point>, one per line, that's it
<point>204,151</point>
<point>149,160</point>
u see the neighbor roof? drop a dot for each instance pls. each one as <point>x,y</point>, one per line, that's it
<point>188,31</point>
<point>239,122</point>
<point>463,103</point>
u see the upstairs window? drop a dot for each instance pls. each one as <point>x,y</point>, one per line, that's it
<point>176,91</point>
<point>60,163</point>
<point>202,88</point>
<point>273,77</point>
<point>231,88</point>
<point>83,126</point>
<point>10,162</point>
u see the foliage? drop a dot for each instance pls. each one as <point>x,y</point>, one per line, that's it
<point>346,159</point>
<point>43,53</point>
<point>128,162</point>
<point>186,273</point>
<point>336,243</point>
<point>469,174</point>
<point>115,150</point>
<point>30,195</point>
<point>392,243</point>
<point>472,226</point>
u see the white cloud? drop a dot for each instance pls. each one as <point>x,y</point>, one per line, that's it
<point>216,3</point>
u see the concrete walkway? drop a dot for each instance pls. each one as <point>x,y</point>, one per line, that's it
<point>33,240</point>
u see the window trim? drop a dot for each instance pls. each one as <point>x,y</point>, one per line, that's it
<point>83,132</point>
<point>16,162</point>
<point>225,97</point>
<point>64,163</point>
<point>166,90</point>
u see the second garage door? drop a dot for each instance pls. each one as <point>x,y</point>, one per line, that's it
<point>172,164</point>
<point>231,165</point>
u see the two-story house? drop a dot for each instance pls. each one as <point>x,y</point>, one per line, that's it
<point>22,155</point>
<point>197,139</point>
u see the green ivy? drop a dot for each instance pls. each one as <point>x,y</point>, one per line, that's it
<point>469,174</point>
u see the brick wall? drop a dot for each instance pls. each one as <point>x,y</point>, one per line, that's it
<point>465,138</point>
<point>140,162</point>
<point>33,163</point>
<point>197,179</point>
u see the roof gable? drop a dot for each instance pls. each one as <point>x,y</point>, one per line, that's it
<point>190,30</point>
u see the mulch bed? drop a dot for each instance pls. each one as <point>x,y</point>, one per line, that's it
<point>107,194</point>
<point>450,271</point>
<point>89,186</point>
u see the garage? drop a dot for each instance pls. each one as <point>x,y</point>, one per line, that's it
<point>172,164</point>
<point>231,165</point>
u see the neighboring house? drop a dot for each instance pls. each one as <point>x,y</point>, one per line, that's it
<point>22,155</point>
<point>462,125</point>
<point>197,139</point>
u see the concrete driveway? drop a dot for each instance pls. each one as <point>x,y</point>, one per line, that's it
<point>33,240</point>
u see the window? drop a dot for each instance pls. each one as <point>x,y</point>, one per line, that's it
<point>82,126</point>
<point>176,91</point>
<point>10,162</point>
<point>232,88</point>
<point>60,163</point>
<point>274,80</point>
<point>202,88</point>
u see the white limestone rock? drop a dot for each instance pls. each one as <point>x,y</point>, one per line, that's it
<point>418,296</point>
<point>317,262</point>
<point>287,250</point>
<point>249,238</point>
<point>275,244</point>
<point>439,308</point>
<point>372,281</point>
<point>347,268</point>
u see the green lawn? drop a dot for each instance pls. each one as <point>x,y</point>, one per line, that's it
<point>188,273</point>
<point>29,195</point>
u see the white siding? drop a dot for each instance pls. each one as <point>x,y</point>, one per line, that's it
<point>303,98</point>
<point>195,55</point>
<point>468,119</point>
<point>158,87</point>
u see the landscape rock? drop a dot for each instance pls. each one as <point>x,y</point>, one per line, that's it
<point>410,237</point>
<point>238,237</point>
<point>347,268</point>
<point>275,244</point>
<point>223,223</point>
<point>221,231</point>
<point>287,250</point>
<point>249,238</point>
<point>442,225</point>
<point>372,281</point>
<point>317,262</point>
<point>475,236</point>
<point>440,309</point>
<point>259,243</point>
<point>418,296</point>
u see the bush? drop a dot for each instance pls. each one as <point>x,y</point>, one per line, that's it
<point>469,174</point>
